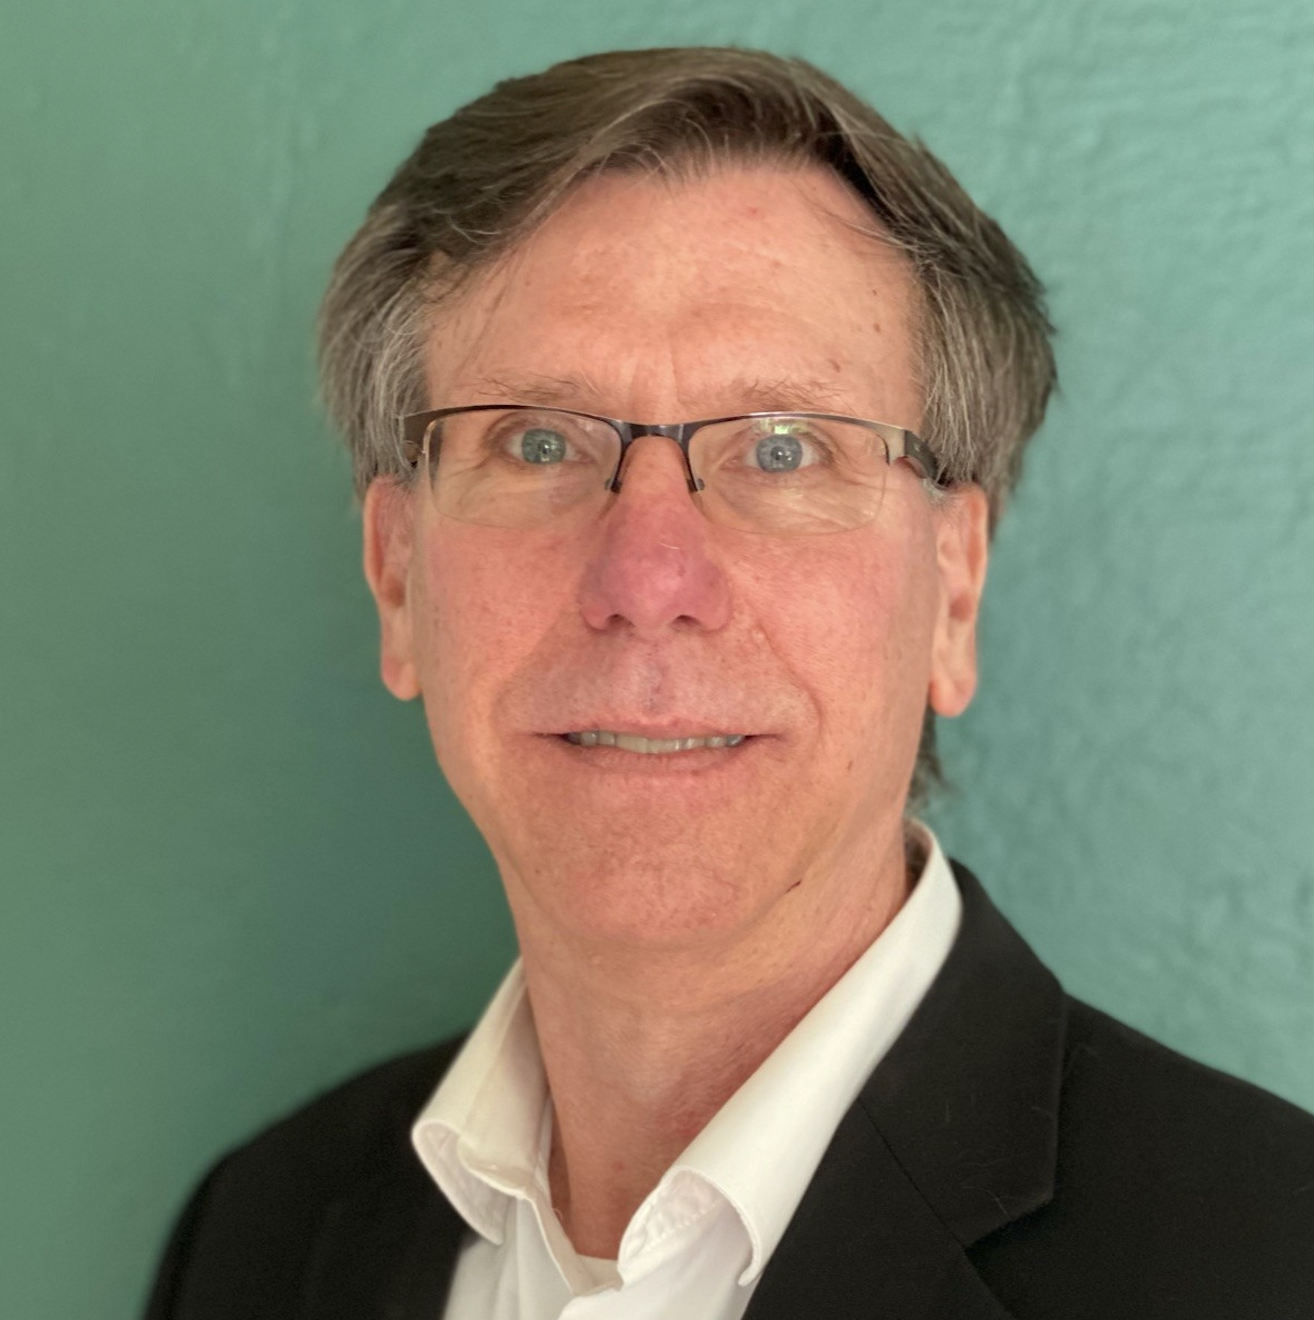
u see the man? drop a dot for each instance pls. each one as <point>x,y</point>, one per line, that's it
<point>710,389</point>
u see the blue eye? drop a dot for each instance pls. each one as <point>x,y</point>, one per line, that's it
<point>541,445</point>
<point>779,453</point>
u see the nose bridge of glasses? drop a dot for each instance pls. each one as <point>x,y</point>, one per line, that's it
<point>679,432</point>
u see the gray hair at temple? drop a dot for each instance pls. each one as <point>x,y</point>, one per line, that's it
<point>481,180</point>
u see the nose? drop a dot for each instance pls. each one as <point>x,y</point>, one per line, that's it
<point>653,566</point>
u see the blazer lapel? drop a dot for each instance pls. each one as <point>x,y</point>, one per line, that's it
<point>954,1135</point>
<point>864,1242</point>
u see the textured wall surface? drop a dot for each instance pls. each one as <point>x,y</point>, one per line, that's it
<point>229,871</point>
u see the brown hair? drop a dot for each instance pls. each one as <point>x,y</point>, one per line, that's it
<point>480,180</point>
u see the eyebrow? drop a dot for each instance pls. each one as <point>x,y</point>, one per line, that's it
<point>549,391</point>
<point>748,394</point>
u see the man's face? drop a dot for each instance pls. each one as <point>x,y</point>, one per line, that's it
<point>664,301</point>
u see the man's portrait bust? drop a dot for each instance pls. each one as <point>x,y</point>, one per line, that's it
<point>684,395</point>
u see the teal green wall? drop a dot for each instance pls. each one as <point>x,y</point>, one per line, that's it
<point>229,871</point>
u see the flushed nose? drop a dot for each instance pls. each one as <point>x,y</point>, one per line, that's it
<point>653,566</point>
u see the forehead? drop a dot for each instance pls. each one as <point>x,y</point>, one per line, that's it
<point>753,287</point>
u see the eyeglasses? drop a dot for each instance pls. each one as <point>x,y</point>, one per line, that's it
<point>518,466</point>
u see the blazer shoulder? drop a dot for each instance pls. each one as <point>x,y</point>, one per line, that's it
<point>1179,1191</point>
<point>242,1245</point>
<point>1129,1090</point>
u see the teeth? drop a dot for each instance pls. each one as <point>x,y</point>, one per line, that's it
<point>630,742</point>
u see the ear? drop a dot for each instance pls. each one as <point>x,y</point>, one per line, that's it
<point>388,515</point>
<point>962,540</point>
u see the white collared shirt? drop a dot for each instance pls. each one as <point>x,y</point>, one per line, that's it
<point>699,1242</point>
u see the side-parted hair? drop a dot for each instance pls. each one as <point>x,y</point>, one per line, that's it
<point>481,180</point>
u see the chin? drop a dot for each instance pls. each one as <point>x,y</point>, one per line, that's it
<point>657,899</point>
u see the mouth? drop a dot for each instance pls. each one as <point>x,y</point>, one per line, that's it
<point>633,742</point>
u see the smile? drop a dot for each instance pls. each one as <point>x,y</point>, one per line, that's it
<point>631,742</point>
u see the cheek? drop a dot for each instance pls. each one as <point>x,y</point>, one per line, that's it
<point>851,619</point>
<point>488,599</point>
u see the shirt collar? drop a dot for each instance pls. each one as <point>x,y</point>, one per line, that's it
<point>481,1136</point>
<point>484,1135</point>
<point>790,1107</point>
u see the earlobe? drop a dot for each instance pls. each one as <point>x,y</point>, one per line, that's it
<point>388,542</point>
<point>962,550</point>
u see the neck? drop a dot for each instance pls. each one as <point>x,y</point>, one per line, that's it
<point>643,1046</point>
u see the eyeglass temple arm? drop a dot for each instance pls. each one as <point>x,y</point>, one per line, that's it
<point>414,428</point>
<point>920,453</point>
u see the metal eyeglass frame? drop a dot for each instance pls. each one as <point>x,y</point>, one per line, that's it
<point>899,441</point>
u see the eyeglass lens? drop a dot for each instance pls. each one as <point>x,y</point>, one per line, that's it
<point>783,474</point>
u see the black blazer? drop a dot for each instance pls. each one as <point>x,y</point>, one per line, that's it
<point>1017,1154</point>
